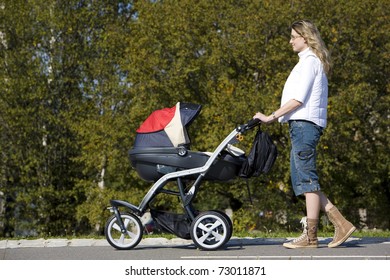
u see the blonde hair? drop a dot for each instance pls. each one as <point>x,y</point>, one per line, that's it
<point>310,33</point>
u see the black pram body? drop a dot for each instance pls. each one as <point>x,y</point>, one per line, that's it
<point>162,146</point>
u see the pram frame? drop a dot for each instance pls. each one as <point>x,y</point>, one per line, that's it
<point>186,197</point>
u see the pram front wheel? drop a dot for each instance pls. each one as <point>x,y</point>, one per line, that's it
<point>130,238</point>
<point>210,230</point>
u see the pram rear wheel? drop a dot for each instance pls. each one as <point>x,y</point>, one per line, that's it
<point>210,230</point>
<point>130,238</point>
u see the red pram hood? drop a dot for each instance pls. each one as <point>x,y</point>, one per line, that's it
<point>167,127</point>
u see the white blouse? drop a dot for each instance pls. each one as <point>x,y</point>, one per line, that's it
<point>308,84</point>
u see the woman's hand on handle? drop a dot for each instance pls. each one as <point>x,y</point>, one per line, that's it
<point>263,118</point>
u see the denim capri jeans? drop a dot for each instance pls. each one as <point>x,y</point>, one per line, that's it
<point>304,136</point>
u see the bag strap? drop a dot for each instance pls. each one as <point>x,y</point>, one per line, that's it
<point>249,191</point>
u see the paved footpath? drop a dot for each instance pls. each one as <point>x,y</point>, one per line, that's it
<point>149,241</point>
<point>164,242</point>
<point>177,248</point>
<point>362,258</point>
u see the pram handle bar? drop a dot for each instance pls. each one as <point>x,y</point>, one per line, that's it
<point>249,125</point>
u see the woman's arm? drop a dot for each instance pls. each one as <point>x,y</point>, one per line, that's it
<point>290,106</point>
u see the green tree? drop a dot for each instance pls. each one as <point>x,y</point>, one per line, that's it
<point>38,147</point>
<point>79,77</point>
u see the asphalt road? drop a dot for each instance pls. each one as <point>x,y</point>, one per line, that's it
<point>178,249</point>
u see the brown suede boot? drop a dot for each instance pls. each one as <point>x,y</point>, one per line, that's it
<point>308,239</point>
<point>343,228</point>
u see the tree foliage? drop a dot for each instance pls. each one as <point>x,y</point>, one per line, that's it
<point>78,78</point>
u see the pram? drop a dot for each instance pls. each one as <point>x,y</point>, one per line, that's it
<point>162,154</point>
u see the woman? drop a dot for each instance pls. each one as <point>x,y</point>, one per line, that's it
<point>304,108</point>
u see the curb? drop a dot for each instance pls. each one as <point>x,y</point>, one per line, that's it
<point>158,241</point>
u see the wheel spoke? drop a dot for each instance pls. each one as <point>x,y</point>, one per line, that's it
<point>217,235</point>
<point>203,227</point>
<point>122,239</point>
<point>126,222</point>
<point>116,227</point>
<point>131,234</point>
<point>204,237</point>
<point>215,225</point>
